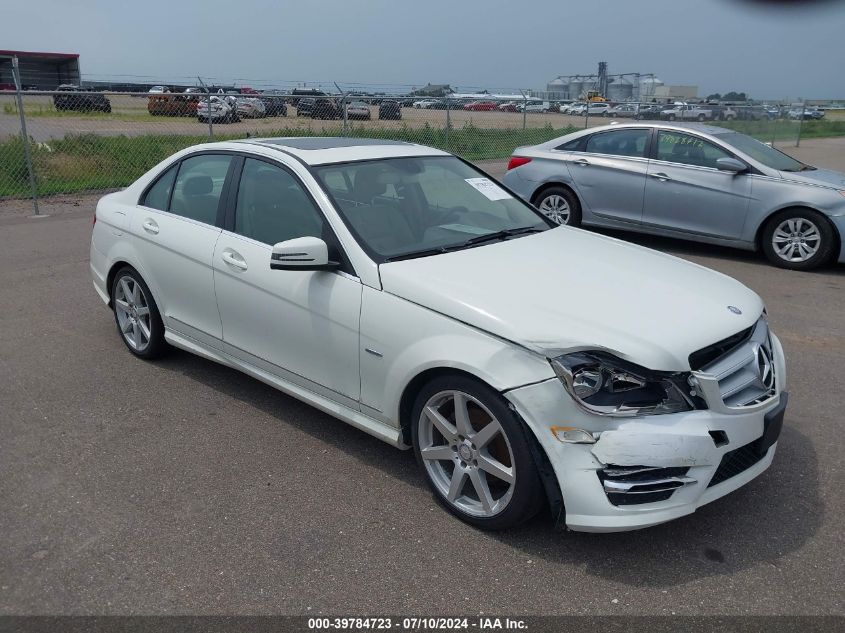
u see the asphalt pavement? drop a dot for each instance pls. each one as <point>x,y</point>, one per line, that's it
<point>184,487</point>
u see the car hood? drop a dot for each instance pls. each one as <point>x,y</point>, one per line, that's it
<point>825,177</point>
<point>566,289</point>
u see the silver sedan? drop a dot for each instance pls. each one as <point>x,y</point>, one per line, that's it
<point>691,181</point>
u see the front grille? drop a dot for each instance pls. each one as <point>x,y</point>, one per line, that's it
<point>736,461</point>
<point>745,372</point>
<point>702,357</point>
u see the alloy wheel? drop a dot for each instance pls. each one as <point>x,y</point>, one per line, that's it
<point>556,208</point>
<point>466,453</point>
<point>133,313</point>
<point>796,240</point>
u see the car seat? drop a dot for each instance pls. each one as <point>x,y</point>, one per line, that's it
<point>197,201</point>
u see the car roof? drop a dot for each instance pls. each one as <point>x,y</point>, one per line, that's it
<point>700,128</point>
<point>321,150</point>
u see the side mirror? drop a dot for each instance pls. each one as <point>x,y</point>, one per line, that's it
<point>731,164</point>
<point>302,253</point>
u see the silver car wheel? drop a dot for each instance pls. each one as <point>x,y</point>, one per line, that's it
<point>466,453</point>
<point>796,240</point>
<point>133,313</point>
<point>556,208</point>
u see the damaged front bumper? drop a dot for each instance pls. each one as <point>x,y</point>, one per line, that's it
<point>638,472</point>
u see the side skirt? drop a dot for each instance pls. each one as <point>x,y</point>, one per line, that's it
<point>380,430</point>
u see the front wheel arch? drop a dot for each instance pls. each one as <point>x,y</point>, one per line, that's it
<point>758,236</point>
<point>761,229</point>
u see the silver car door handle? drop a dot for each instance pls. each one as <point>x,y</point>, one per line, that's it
<point>150,226</point>
<point>660,176</point>
<point>581,161</point>
<point>234,259</point>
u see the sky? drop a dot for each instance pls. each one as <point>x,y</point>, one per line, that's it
<point>770,50</point>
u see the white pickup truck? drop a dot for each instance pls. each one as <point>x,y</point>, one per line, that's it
<point>686,112</point>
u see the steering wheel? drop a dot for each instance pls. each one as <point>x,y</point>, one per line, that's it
<point>454,214</point>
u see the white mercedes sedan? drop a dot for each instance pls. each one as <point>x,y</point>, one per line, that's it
<point>400,289</point>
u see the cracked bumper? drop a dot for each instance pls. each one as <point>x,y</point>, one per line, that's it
<point>676,441</point>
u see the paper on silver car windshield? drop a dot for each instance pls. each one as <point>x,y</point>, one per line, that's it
<point>488,188</point>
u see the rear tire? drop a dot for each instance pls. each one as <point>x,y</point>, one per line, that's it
<point>559,204</point>
<point>798,239</point>
<point>475,454</point>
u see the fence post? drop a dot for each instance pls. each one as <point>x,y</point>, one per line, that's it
<point>343,105</point>
<point>524,108</point>
<point>24,135</point>
<point>800,124</point>
<point>208,99</point>
<point>448,120</point>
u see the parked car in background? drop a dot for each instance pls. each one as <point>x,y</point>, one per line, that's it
<point>172,104</point>
<point>424,104</point>
<point>447,104</point>
<point>72,97</point>
<point>305,93</point>
<point>720,112</point>
<point>690,181</point>
<point>533,105</point>
<point>808,114</point>
<point>576,109</point>
<point>598,108</point>
<point>480,106</point>
<point>648,111</point>
<point>250,107</point>
<point>389,110</point>
<point>752,113</point>
<point>157,90</point>
<point>274,103</point>
<point>358,110</point>
<point>326,108</point>
<point>508,106</point>
<point>773,112</point>
<point>686,112</point>
<point>218,108</point>
<point>624,111</point>
<point>304,106</point>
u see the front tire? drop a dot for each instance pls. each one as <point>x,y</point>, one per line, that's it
<point>475,454</point>
<point>798,239</point>
<point>560,205</point>
<point>137,316</point>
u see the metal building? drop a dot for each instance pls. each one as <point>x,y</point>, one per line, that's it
<point>40,71</point>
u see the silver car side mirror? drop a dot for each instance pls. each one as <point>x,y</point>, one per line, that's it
<point>302,253</point>
<point>731,164</point>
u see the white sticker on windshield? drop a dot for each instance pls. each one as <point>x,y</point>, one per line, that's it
<point>490,189</point>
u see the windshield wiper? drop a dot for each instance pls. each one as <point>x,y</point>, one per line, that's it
<point>414,254</point>
<point>487,237</point>
<point>807,168</point>
<point>501,235</point>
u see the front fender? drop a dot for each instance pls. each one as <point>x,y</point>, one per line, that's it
<point>400,340</point>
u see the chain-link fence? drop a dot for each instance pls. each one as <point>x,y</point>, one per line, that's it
<point>78,140</point>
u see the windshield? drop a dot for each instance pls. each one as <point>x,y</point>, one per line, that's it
<point>761,152</point>
<point>400,208</point>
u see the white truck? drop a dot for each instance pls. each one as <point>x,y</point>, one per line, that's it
<point>683,111</point>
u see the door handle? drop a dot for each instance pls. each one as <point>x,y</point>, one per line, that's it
<point>234,259</point>
<point>660,176</point>
<point>583,162</point>
<point>150,226</point>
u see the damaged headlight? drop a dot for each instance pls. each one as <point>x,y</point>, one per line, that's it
<point>603,384</point>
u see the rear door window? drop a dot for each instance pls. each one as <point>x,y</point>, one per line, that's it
<point>198,187</point>
<point>627,142</point>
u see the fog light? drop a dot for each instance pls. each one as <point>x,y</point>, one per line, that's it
<point>572,435</point>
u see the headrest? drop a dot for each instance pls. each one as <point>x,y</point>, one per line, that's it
<point>198,185</point>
